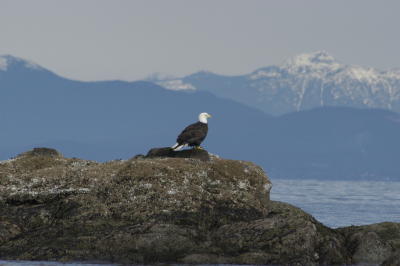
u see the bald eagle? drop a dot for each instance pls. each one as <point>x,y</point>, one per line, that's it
<point>193,134</point>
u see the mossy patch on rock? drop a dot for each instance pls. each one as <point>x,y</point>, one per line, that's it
<point>48,152</point>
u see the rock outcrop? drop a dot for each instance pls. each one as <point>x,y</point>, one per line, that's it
<point>170,153</point>
<point>167,209</point>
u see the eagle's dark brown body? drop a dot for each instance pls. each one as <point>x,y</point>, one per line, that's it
<point>193,135</point>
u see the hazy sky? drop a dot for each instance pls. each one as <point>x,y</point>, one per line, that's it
<point>129,40</point>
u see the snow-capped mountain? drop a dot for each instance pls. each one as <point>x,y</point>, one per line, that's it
<point>303,82</point>
<point>104,120</point>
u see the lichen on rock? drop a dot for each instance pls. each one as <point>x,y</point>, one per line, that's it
<point>174,209</point>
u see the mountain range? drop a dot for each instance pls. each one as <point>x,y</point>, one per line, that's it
<point>108,120</point>
<point>303,82</point>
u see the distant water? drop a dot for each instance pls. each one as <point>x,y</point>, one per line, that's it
<point>342,203</point>
<point>334,203</point>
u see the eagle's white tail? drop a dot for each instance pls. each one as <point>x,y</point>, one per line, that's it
<point>177,147</point>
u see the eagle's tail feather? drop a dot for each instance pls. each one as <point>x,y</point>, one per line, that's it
<point>178,146</point>
<point>175,145</point>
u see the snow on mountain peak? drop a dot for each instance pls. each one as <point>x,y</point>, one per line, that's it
<point>316,61</point>
<point>170,82</point>
<point>3,63</point>
<point>392,74</point>
<point>176,84</point>
<point>305,81</point>
<point>364,74</point>
<point>313,58</point>
<point>6,61</point>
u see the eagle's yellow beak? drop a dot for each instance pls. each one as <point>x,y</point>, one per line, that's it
<point>209,116</point>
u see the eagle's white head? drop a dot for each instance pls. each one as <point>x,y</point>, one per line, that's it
<point>203,117</point>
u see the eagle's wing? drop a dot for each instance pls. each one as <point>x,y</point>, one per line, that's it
<point>190,133</point>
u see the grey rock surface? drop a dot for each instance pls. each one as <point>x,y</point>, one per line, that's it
<point>163,209</point>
